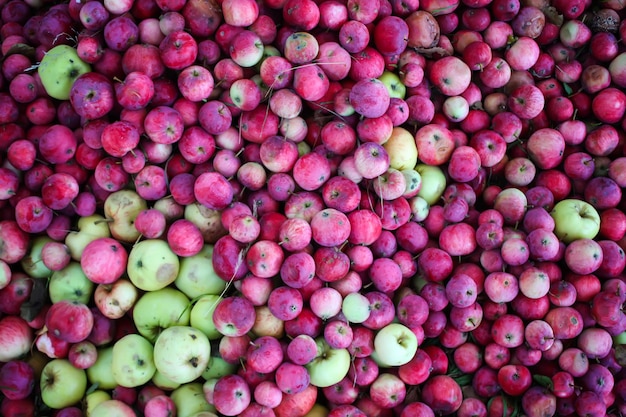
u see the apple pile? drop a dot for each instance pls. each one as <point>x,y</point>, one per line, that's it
<point>297,208</point>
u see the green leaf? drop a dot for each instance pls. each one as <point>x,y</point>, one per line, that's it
<point>568,89</point>
<point>544,381</point>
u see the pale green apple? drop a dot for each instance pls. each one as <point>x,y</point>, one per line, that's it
<point>575,219</point>
<point>201,316</point>
<point>70,283</point>
<point>189,400</point>
<point>197,277</point>
<point>100,372</point>
<point>152,265</point>
<point>218,368</point>
<point>619,339</point>
<point>89,228</point>
<point>94,398</point>
<point>133,362</point>
<point>170,209</point>
<point>413,181</point>
<point>303,148</point>
<point>207,220</point>
<point>32,263</point>
<point>160,309</point>
<point>419,208</point>
<point>329,366</point>
<point>395,344</point>
<point>62,385</point>
<point>122,208</point>
<point>110,408</point>
<point>395,87</point>
<point>5,274</point>
<point>181,353</point>
<point>402,149</point>
<point>58,70</point>
<point>355,307</point>
<point>163,382</point>
<point>433,183</point>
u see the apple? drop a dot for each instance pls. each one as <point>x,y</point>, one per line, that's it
<point>160,309</point>
<point>116,299</point>
<point>58,70</point>
<point>395,344</point>
<point>329,366</point>
<point>201,315</point>
<point>100,372</point>
<point>182,353</point>
<point>152,265</point>
<point>70,283</point>
<point>401,149</point>
<point>197,277</point>
<point>190,401</point>
<point>132,364</point>
<point>575,219</point>
<point>122,208</point>
<point>112,407</point>
<point>62,385</point>
<point>93,398</point>
<point>433,183</point>
<point>89,228</point>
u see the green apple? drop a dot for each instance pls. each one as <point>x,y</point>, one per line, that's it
<point>94,398</point>
<point>197,277</point>
<point>401,149</point>
<point>575,219</point>
<point>619,339</point>
<point>5,274</point>
<point>163,382</point>
<point>70,283</point>
<point>207,220</point>
<point>217,368</point>
<point>115,408</point>
<point>152,265</point>
<point>122,208</point>
<point>433,183</point>
<point>89,228</point>
<point>190,400</point>
<point>181,353</point>
<point>62,385</point>
<point>100,372</point>
<point>395,344</point>
<point>329,366</point>
<point>32,263</point>
<point>395,87</point>
<point>160,309</point>
<point>355,307</point>
<point>132,364</point>
<point>201,316</point>
<point>58,70</point>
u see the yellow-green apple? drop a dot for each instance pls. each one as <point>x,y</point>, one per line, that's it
<point>197,277</point>
<point>395,344</point>
<point>32,263</point>
<point>433,183</point>
<point>112,408</point>
<point>152,265</point>
<point>394,85</point>
<point>190,400</point>
<point>5,274</point>
<point>61,384</point>
<point>401,149</point>
<point>163,382</point>
<point>122,208</point>
<point>99,373</point>
<point>116,299</point>
<point>160,309</point>
<point>70,283</point>
<point>218,367</point>
<point>355,307</point>
<point>329,366</point>
<point>89,228</point>
<point>58,70</point>
<point>575,219</point>
<point>93,398</point>
<point>201,316</point>
<point>132,364</point>
<point>181,353</point>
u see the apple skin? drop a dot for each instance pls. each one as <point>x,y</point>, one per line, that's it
<point>330,366</point>
<point>575,219</point>
<point>395,344</point>
<point>160,309</point>
<point>182,353</point>
<point>58,70</point>
<point>152,265</point>
<point>61,384</point>
<point>133,363</point>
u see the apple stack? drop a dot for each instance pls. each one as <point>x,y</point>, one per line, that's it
<point>296,208</point>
